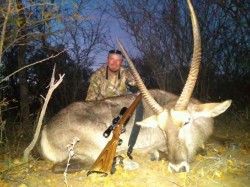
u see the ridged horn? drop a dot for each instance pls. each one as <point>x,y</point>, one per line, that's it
<point>187,91</point>
<point>145,93</point>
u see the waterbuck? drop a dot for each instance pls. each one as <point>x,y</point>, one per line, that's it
<point>179,124</point>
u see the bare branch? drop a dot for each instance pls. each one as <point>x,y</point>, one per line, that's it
<point>40,61</point>
<point>4,30</point>
<point>53,85</point>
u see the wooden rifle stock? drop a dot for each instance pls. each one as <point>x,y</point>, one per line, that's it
<point>104,162</point>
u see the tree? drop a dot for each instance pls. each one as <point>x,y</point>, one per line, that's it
<point>157,28</point>
<point>24,94</point>
<point>161,31</point>
<point>19,28</point>
<point>85,38</point>
<point>36,30</point>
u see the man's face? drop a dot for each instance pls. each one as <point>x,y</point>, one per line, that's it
<point>114,62</point>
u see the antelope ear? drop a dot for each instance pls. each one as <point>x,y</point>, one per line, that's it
<point>209,109</point>
<point>149,122</point>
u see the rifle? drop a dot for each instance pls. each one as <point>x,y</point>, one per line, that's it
<point>105,160</point>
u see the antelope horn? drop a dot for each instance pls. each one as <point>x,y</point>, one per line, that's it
<point>145,93</point>
<point>187,91</point>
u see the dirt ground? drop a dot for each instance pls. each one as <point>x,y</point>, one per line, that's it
<point>221,166</point>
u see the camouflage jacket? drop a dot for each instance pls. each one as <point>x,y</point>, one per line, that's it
<point>103,85</point>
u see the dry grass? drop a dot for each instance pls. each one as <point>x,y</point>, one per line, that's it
<point>221,166</point>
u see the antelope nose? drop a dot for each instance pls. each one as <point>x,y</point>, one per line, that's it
<point>178,168</point>
<point>175,170</point>
<point>182,169</point>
